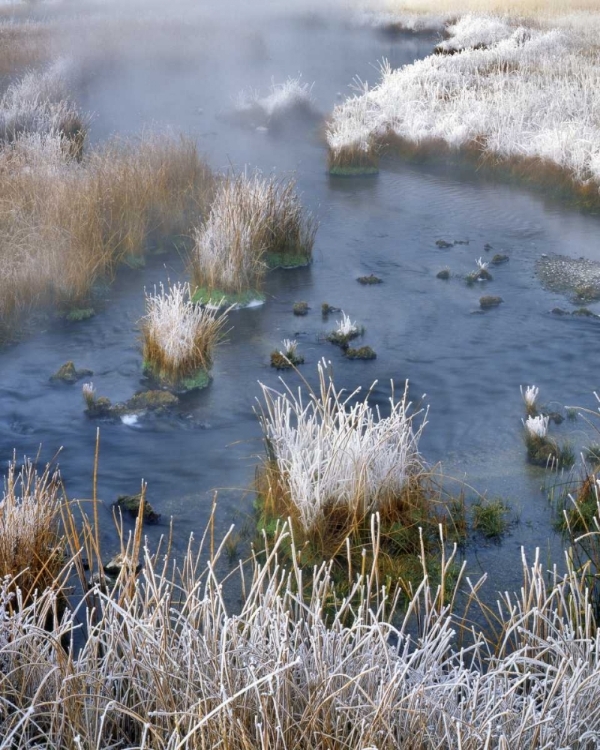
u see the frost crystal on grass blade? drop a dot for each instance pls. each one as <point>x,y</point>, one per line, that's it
<point>178,335</point>
<point>481,264</point>
<point>345,326</point>
<point>529,395</point>
<point>334,451</point>
<point>537,427</point>
<point>290,347</point>
<point>511,91</point>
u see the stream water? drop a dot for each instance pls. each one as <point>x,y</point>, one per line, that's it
<point>470,364</point>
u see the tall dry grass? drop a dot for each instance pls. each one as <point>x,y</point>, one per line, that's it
<point>66,224</point>
<point>23,45</point>
<point>254,222</point>
<point>31,545</point>
<point>524,8</point>
<point>179,336</point>
<point>166,663</point>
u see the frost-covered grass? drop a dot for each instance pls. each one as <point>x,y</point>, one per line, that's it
<point>65,224</point>
<point>31,551</point>
<point>178,335</point>
<point>163,661</point>
<point>38,103</point>
<point>333,450</point>
<point>529,395</point>
<point>515,93</point>
<point>294,95</point>
<point>251,218</point>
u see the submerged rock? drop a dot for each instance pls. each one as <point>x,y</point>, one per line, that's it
<point>500,258</point>
<point>488,301</point>
<point>443,245</point>
<point>157,402</point>
<point>151,401</point>
<point>301,308</point>
<point>443,274</point>
<point>132,503</point>
<point>68,373</point>
<point>368,280</point>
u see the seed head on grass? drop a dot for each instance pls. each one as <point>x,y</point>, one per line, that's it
<point>179,336</point>
<point>536,427</point>
<point>529,395</point>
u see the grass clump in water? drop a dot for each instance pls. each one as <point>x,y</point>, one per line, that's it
<point>490,517</point>
<point>346,331</point>
<point>543,450</point>
<point>288,357</point>
<point>179,337</point>
<point>253,223</point>
<point>331,465</point>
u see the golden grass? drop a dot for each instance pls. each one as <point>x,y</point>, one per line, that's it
<point>31,546</point>
<point>179,336</point>
<point>22,46</point>
<point>254,223</point>
<point>66,224</point>
<point>527,8</point>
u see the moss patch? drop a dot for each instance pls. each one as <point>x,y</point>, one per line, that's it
<point>300,308</point>
<point>194,382</point>
<point>68,373</point>
<point>131,504</point>
<point>283,362</point>
<point>363,352</point>
<point>80,313</point>
<point>353,171</point>
<point>287,260</point>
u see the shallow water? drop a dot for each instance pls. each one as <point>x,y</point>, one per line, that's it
<point>470,364</point>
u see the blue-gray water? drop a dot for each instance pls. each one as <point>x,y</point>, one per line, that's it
<point>470,364</point>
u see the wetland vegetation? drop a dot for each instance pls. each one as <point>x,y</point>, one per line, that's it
<point>347,610</point>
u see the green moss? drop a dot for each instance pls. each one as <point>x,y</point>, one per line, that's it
<point>369,280</point>
<point>287,260</point>
<point>152,401</point>
<point>194,382</point>
<point>80,313</point>
<point>199,381</point>
<point>343,339</point>
<point>202,295</point>
<point>544,451</point>
<point>300,308</point>
<point>283,362</point>
<point>131,504</point>
<point>353,171</point>
<point>364,352</point>
<point>68,373</point>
